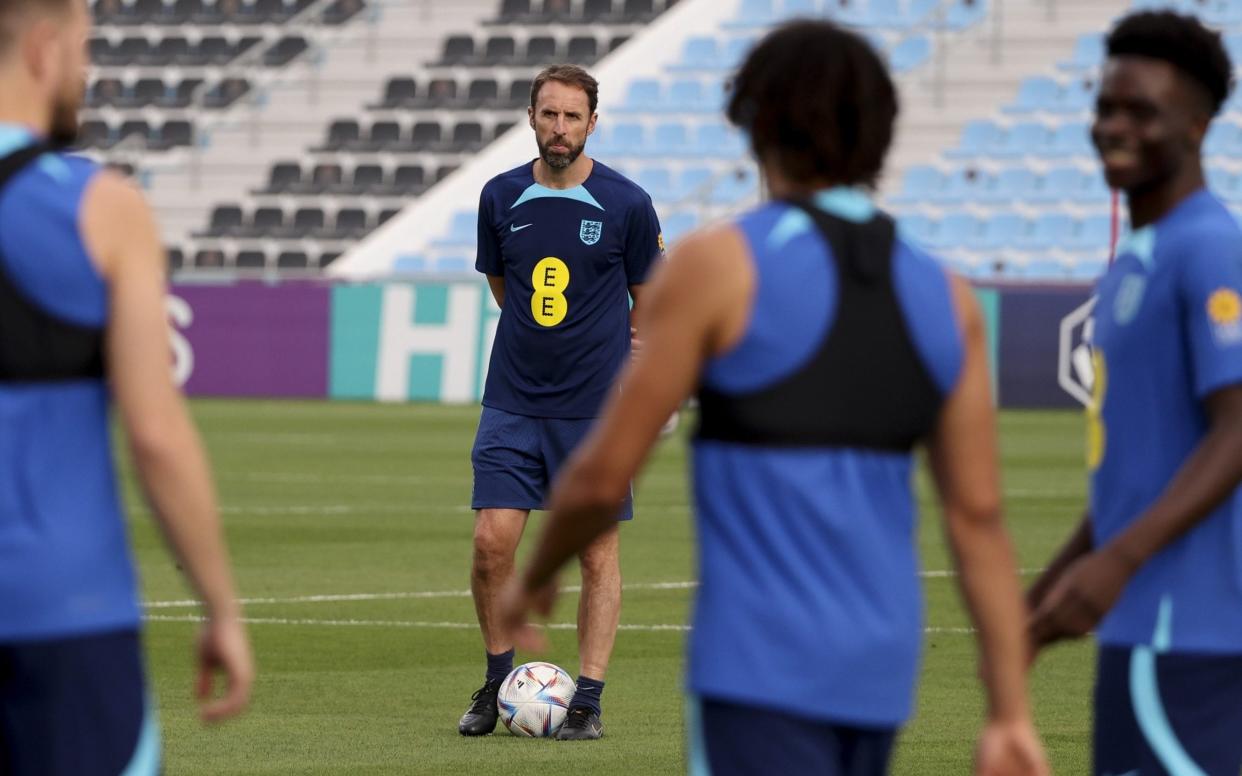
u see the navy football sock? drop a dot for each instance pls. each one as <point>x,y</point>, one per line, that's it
<point>588,693</point>
<point>499,666</point>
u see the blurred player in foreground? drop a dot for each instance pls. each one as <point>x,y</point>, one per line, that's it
<point>565,243</point>
<point>824,350</point>
<point>1157,561</point>
<point>81,322</point>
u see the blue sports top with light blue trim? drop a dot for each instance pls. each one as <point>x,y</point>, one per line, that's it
<point>568,257</point>
<point>808,566</point>
<point>1167,332</point>
<point>65,567</point>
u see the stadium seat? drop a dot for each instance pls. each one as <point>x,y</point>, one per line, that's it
<point>637,11</point>
<point>342,134</point>
<point>226,221</point>
<point>226,93</point>
<point>1010,186</point>
<point>732,188</point>
<point>1088,53</point>
<point>669,140</point>
<point>979,137</point>
<point>954,230</point>
<point>1092,233</point>
<point>285,51</point>
<point>324,177</point>
<point>699,53</point>
<point>694,183</point>
<point>399,93</point>
<point>735,51</point>
<point>411,263</point>
<point>283,177</point>
<point>804,8</point>
<point>1036,94</point>
<point>176,258</point>
<point>383,136</point>
<point>916,227</point>
<point>408,179</point>
<point>1000,231</point>
<point>690,96</point>
<point>367,179</point>
<point>134,133</point>
<point>717,140</point>
<point>678,224</point>
<point>643,96</point>
<point>657,182</point>
<point>753,13</point>
<point>556,11</point>
<point>441,93</point>
<point>596,10</point>
<point>1077,96</point>
<point>910,53</point>
<point>964,13</point>
<point>179,95</point>
<point>583,50</point>
<point>467,137</point>
<point>292,260</point>
<point>342,11</point>
<point>514,11</point>
<point>250,259</point>
<point>453,264</point>
<point>1023,139</point>
<point>919,184</point>
<point>307,222</point>
<point>95,134</point>
<point>458,50</point>
<point>541,50</point>
<point>961,185</point>
<point>327,257</point>
<point>350,224</point>
<point>1060,184</point>
<point>463,230</point>
<point>265,222</point>
<point>1049,231</point>
<point>209,258</point>
<point>386,215</point>
<point>499,50</point>
<point>483,92</point>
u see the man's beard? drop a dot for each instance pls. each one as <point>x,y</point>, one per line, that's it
<point>560,161</point>
<point>63,132</point>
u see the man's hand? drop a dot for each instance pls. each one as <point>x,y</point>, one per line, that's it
<point>1078,601</point>
<point>516,605</point>
<point>1010,749</point>
<point>636,345</point>
<point>223,646</point>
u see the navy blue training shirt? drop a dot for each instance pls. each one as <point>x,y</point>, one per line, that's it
<point>568,257</point>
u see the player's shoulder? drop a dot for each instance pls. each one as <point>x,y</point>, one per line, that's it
<point>518,178</point>
<point>618,187</point>
<point>1196,224</point>
<point>58,173</point>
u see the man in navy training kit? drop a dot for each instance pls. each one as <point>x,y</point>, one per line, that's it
<point>82,323</point>
<point>824,349</point>
<point>1155,567</point>
<point>565,243</point>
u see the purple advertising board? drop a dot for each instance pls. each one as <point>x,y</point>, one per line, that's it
<point>252,339</point>
<point>1030,343</point>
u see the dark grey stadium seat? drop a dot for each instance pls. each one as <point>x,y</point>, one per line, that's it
<point>409,179</point>
<point>174,134</point>
<point>145,92</point>
<point>102,52</point>
<point>266,222</point>
<point>638,11</point>
<point>484,92</point>
<point>342,11</point>
<point>255,12</point>
<point>134,133</point>
<point>458,50</point>
<point>283,177</point>
<point>323,178</point>
<point>583,50</point>
<point>175,12</point>
<point>250,260</point>
<point>384,136</point>
<point>501,128</point>
<point>166,52</point>
<point>519,93</point>
<point>512,11</point>
<point>307,221</point>
<point>342,133</point>
<point>104,92</point>
<point>285,51</point>
<point>351,224</point>
<point>384,217</point>
<point>400,93</point>
<point>214,50</point>
<point>426,136</point>
<point>541,50</point>
<point>367,179</point>
<point>500,50</point>
<point>287,9</point>
<point>209,258</point>
<point>180,95</point>
<point>617,42</point>
<point>226,93</point>
<point>556,11</point>
<point>596,10</point>
<point>445,171</point>
<point>292,260</point>
<point>94,134</point>
<point>130,50</point>
<point>105,11</point>
<point>327,257</point>
<point>441,93</point>
<point>136,13</point>
<point>226,221</point>
<point>176,258</point>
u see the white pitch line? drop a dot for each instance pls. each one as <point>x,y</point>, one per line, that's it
<point>400,596</point>
<point>455,625</point>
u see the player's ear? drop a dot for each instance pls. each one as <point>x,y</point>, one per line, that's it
<point>591,123</point>
<point>530,116</point>
<point>39,49</point>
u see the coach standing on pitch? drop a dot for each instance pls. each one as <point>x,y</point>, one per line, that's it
<point>564,242</point>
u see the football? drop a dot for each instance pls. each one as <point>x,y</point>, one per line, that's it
<point>534,698</point>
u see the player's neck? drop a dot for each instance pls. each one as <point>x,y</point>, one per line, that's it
<point>564,177</point>
<point>1150,205</point>
<point>20,105</point>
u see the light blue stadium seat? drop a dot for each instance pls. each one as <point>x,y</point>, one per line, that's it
<point>699,53</point>
<point>916,227</point>
<point>1060,184</point>
<point>1027,138</point>
<point>1071,139</point>
<point>1222,138</point>
<point>453,264</point>
<point>687,96</point>
<point>1094,190</point>
<point>732,188</point>
<point>965,13</point>
<point>1221,182</point>
<point>919,185</point>
<point>979,137</point>
<point>961,185</point>
<point>1088,268</point>
<point>643,96</point>
<point>1077,96</point>
<point>804,8</point>
<point>753,13</point>
<point>411,263</point>
<point>1092,234</point>
<point>1050,230</point>
<point>717,140</point>
<point>919,12</point>
<point>463,230</point>
<point>874,13</point>
<point>1000,231</point>
<point>668,140</point>
<point>678,224</point>
<point>1041,268</point>
<point>1088,53</point>
<point>1036,94</point>
<point>1013,184</point>
<point>735,50</point>
<point>693,183</point>
<point>955,230</point>
<point>624,140</point>
<point>657,182</point>
<point>910,53</point>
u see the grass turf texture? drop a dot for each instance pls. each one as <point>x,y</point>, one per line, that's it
<point>327,499</point>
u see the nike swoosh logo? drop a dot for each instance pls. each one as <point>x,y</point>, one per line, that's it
<point>516,228</point>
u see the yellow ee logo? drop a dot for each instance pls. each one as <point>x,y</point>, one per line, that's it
<point>550,278</point>
<point>1097,436</point>
<point>1224,306</point>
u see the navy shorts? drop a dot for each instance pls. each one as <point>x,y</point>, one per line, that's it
<point>1164,713</point>
<point>76,707</point>
<point>517,457</point>
<point>728,739</point>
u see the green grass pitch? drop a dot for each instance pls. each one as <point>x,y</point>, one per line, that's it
<point>350,531</point>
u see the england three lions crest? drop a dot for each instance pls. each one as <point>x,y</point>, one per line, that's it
<point>591,231</point>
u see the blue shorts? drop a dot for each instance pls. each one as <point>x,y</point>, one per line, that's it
<point>76,707</point>
<point>1167,713</point>
<point>728,739</point>
<point>517,457</point>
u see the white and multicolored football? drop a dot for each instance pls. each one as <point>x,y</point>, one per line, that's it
<point>534,699</point>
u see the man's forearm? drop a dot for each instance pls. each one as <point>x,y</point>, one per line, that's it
<point>1080,543</point>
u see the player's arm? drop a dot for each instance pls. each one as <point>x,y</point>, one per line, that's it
<point>688,315</point>
<point>963,457</point>
<point>1079,543</point>
<point>497,284</point>
<point>122,237</point>
<point>1090,587</point>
